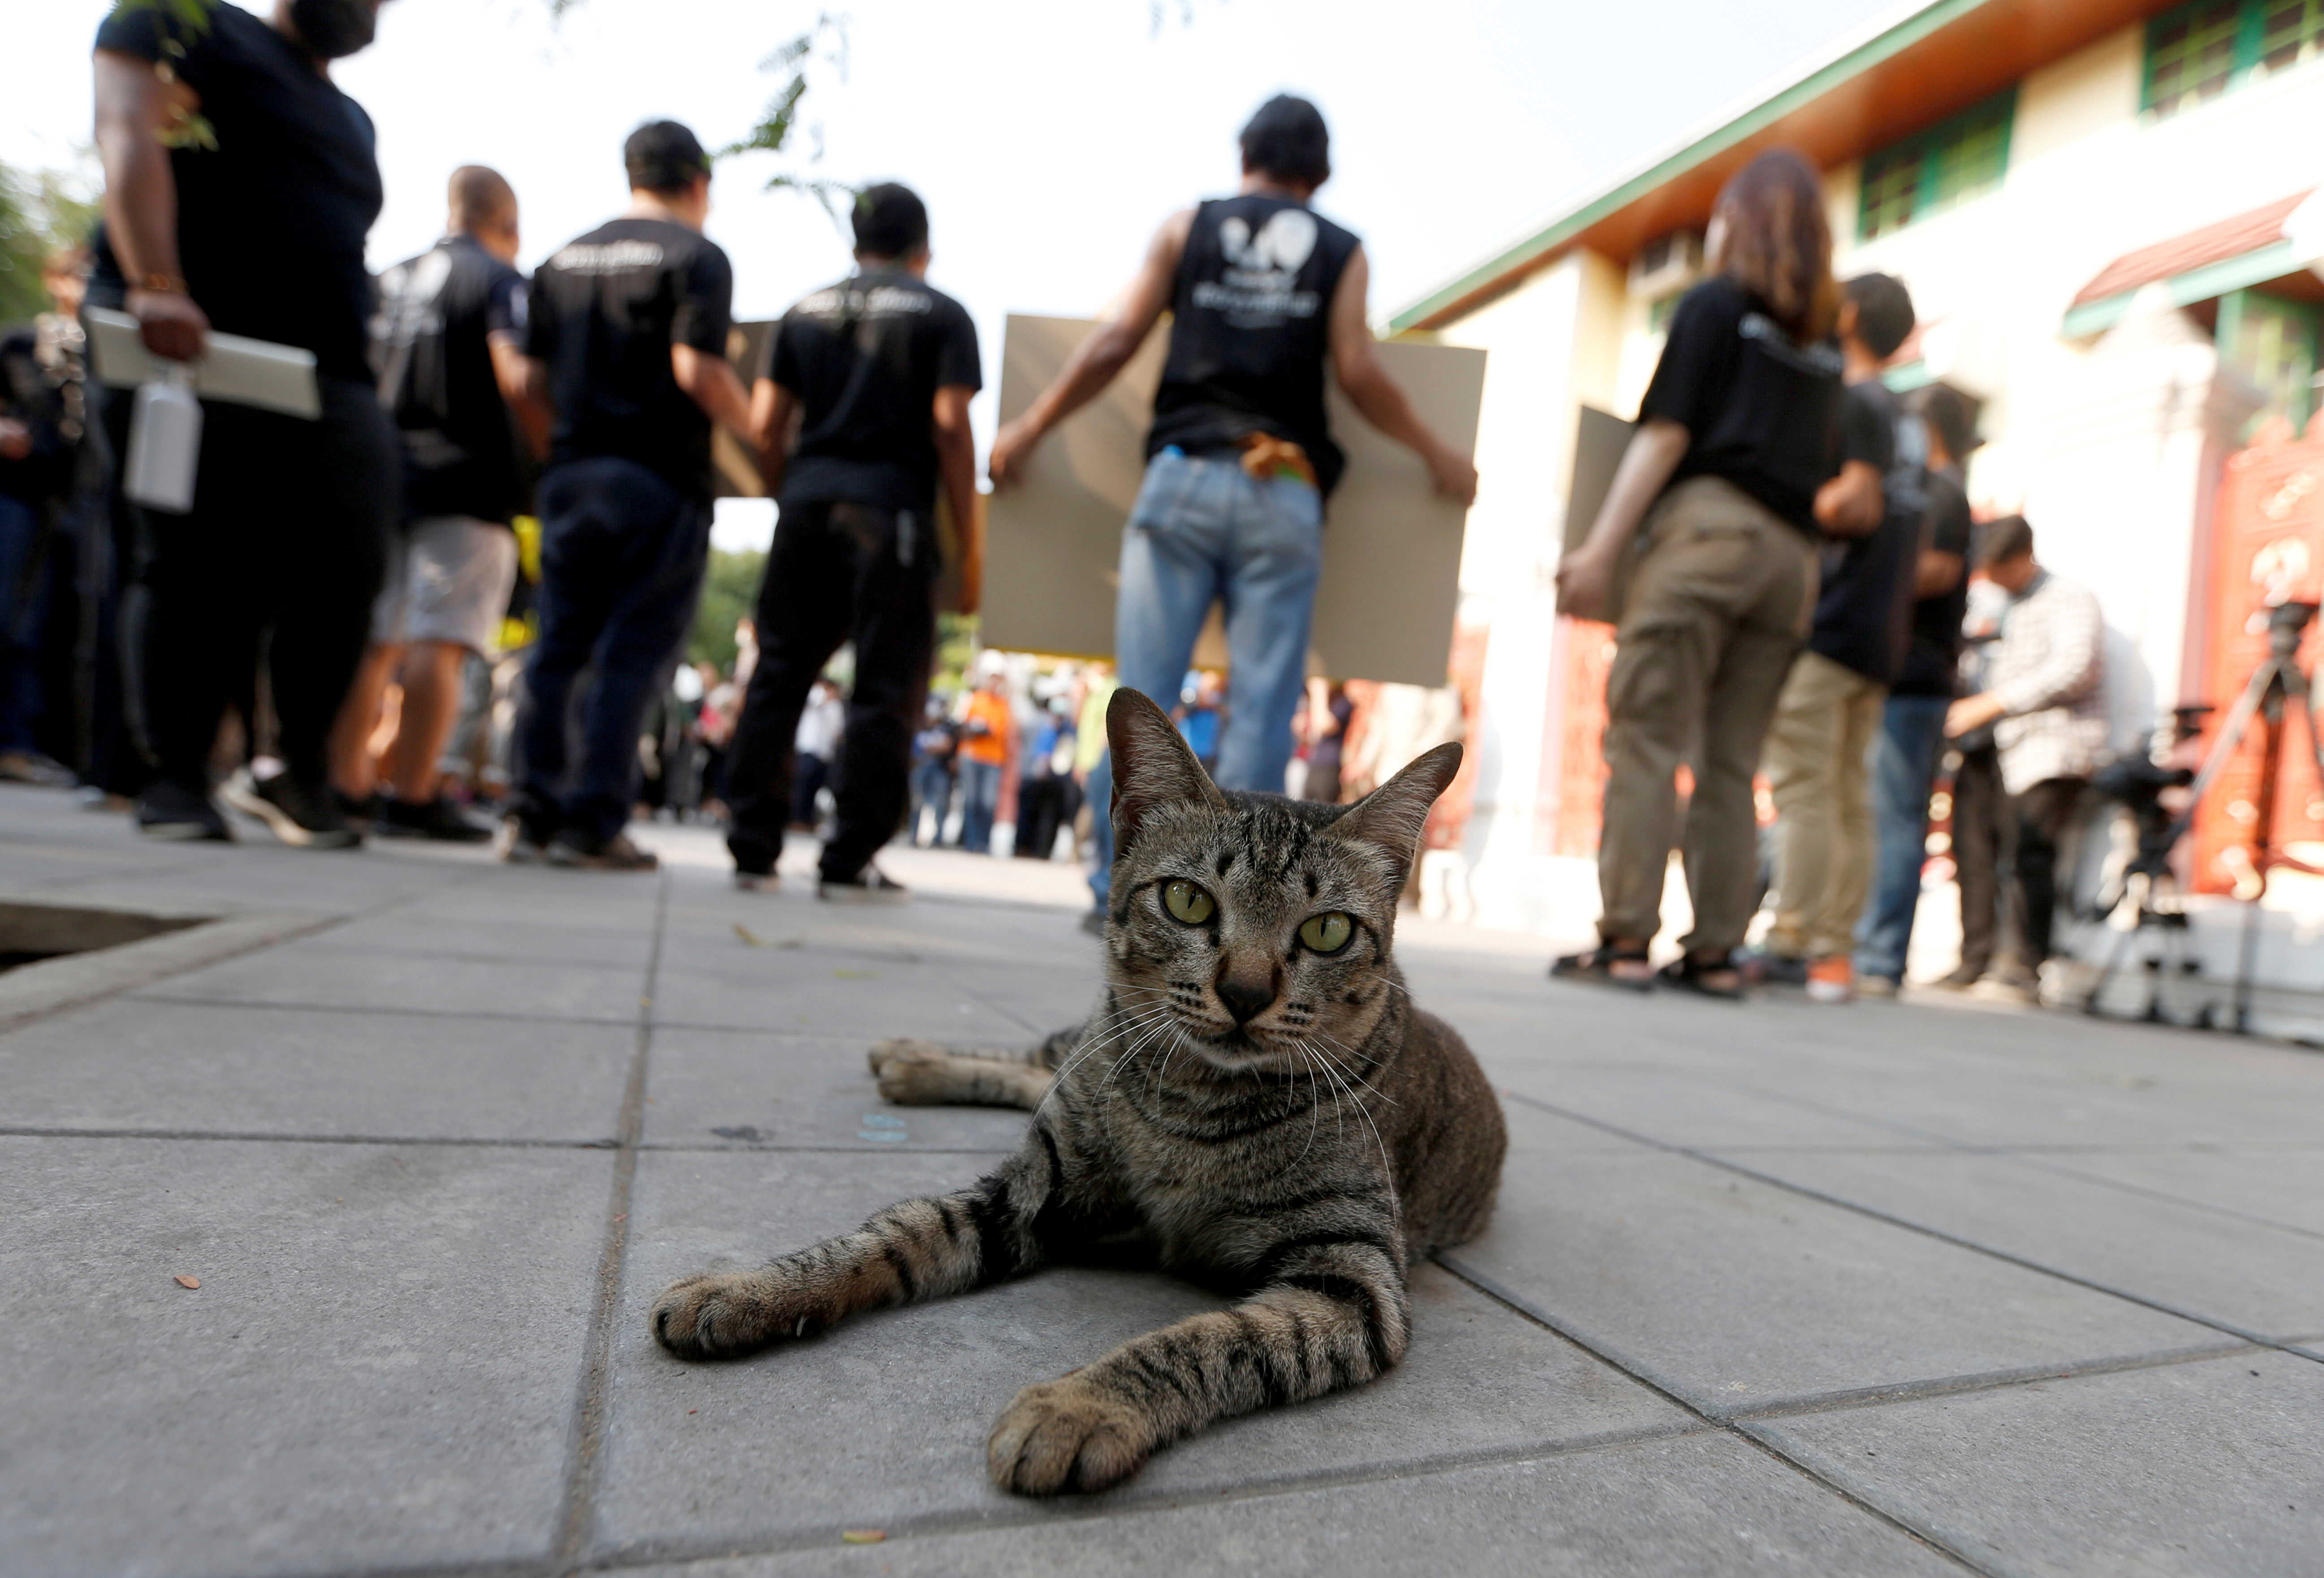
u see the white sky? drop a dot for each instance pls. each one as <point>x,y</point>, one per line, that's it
<point>1049,137</point>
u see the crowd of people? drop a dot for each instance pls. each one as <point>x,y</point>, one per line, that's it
<point>487,550</point>
<point>1788,556</point>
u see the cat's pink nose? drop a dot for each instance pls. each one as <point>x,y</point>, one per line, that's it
<point>1245,999</point>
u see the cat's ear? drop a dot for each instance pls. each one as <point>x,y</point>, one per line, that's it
<point>1390,817</point>
<point>1152,767</point>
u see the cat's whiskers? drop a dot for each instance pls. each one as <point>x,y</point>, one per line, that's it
<point>1388,1166</point>
<point>1121,1026</point>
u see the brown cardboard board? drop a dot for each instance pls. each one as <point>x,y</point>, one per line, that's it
<point>1391,544</point>
<point>1598,441</point>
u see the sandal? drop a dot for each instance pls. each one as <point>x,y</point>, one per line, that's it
<point>1689,973</point>
<point>1595,967</point>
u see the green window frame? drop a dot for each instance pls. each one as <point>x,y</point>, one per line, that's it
<point>1938,168</point>
<point>2275,343</point>
<point>2199,50</point>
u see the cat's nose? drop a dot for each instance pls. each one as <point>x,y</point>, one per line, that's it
<point>1245,999</point>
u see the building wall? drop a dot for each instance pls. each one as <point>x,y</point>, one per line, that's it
<point>2116,480</point>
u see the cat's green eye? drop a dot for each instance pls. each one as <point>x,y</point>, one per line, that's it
<point>1327,934</point>
<point>1186,902</point>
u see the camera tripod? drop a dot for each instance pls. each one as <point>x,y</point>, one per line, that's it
<point>2277,679</point>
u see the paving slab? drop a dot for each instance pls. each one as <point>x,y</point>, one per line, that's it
<point>1745,1294</point>
<point>2204,1469</point>
<point>379,1367</point>
<point>745,1088</point>
<point>180,1067</point>
<point>1683,1106</point>
<point>2282,1185</point>
<point>441,933</point>
<point>883,1419</point>
<point>2251,1275</point>
<point>311,975</point>
<point>1705,1504</point>
<point>864,999</point>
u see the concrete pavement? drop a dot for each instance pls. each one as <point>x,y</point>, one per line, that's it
<point>1892,1289</point>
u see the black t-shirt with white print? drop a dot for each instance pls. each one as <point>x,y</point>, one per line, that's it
<point>1760,411</point>
<point>866,357</point>
<point>277,186</point>
<point>432,339</point>
<point>607,308</point>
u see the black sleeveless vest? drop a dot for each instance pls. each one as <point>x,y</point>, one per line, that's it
<point>1249,330</point>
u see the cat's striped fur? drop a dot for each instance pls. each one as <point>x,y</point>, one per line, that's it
<point>1243,1108</point>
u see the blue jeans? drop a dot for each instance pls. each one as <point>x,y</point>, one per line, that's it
<point>980,793</point>
<point>1903,766</point>
<point>1203,531</point>
<point>932,789</point>
<point>622,556</point>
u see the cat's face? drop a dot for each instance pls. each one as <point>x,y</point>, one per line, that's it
<point>1249,930</point>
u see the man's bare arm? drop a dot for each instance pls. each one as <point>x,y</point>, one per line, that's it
<point>135,109</point>
<point>527,398</point>
<point>709,379</point>
<point>1099,358</point>
<point>1851,504</point>
<point>773,410</point>
<point>1936,572</point>
<point>957,468</point>
<point>1375,394</point>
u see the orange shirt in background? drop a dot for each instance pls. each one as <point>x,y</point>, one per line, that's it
<point>992,712</point>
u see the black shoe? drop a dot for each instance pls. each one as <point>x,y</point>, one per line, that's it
<point>870,883</point>
<point>360,811</point>
<point>755,882</point>
<point>305,816</point>
<point>441,819</point>
<point>170,810</point>
<point>576,848</point>
<point>1762,968</point>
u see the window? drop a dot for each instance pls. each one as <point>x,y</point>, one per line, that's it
<point>1931,172</point>
<point>2201,49</point>
<point>2272,342</point>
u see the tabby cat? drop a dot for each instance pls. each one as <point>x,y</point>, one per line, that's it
<point>1255,1105</point>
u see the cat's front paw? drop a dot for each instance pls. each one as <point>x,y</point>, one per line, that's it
<point>902,1050</point>
<point>1066,1435</point>
<point>718,1315</point>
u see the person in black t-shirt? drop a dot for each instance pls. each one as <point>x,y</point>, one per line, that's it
<point>877,372</point>
<point>1830,712</point>
<point>1262,292</point>
<point>628,338</point>
<point>240,184</point>
<point>1730,473</point>
<point>450,343</point>
<point>1912,720</point>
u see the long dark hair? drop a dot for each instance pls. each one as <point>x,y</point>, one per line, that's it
<point>1778,242</point>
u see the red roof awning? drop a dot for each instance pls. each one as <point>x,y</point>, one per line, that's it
<point>2228,238</point>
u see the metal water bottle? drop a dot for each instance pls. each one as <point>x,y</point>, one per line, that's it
<point>165,442</point>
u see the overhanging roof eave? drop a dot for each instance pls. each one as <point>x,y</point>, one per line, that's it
<point>1884,38</point>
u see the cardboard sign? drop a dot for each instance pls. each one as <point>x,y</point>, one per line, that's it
<point>1391,542</point>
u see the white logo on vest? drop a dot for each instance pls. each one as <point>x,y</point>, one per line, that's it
<point>1262,270</point>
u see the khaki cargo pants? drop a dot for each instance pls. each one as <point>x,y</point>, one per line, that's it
<point>1718,606</point>
<point>1825,724</point>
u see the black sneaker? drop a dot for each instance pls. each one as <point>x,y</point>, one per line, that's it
<point>171,810</point>
<point>755,882</point>
<point>442,819</point>
<point>574,848</point>
<point>870,883</point>
<point>360,811</point>
<point>304,815</point>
